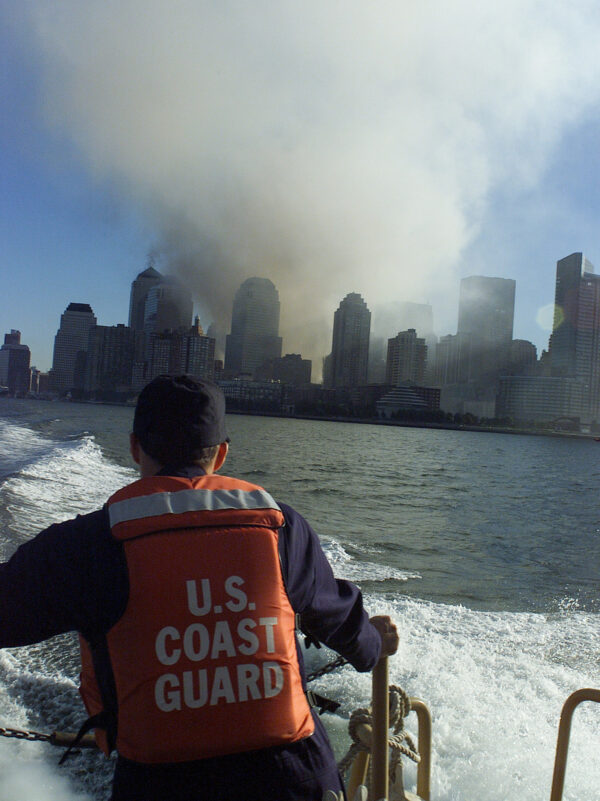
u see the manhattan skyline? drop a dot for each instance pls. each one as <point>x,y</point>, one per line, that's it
<point>80,214</point>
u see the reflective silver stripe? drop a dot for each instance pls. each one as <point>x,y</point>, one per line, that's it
<point>191,500</point>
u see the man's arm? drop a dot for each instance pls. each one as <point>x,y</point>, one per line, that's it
<point>331,609</point>
<point>70,577</point>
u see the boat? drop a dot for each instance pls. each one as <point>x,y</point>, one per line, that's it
<point>376,743</point>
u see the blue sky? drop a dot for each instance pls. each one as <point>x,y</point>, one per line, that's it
<point>377,151</point>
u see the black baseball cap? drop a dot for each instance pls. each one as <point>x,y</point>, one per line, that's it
<point>186,412</point>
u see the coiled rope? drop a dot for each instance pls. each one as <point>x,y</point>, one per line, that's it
<point>400,742</point>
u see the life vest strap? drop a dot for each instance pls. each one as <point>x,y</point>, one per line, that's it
<point>98,721</point>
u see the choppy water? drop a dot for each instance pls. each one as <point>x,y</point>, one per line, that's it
<point>485,548</point>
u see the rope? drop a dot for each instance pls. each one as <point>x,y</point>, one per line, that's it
<point>399,704</point>
<point>399,709</point>
<point>362,715</point>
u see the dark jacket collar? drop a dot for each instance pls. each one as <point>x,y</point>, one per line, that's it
<point>182,471</point>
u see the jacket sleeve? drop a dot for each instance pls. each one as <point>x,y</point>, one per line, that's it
<point>70,577</point>
<point>330,609</point>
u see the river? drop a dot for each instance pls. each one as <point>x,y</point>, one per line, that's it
<point>484,547</point>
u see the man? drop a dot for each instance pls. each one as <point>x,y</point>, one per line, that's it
<point>185,589</point>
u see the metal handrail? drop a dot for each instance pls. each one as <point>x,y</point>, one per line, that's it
<point>424,746</point>
<point>381,724</point>
<point>564,732</point>
<point>377,738</point>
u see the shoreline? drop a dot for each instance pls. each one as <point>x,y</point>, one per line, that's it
<point>529,432</point>
<point>417,424</point>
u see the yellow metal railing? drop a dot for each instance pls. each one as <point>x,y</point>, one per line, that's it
<point>377,739</point>
<point>564,732</point>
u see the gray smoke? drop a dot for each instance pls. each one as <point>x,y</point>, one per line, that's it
<point>332,147</point>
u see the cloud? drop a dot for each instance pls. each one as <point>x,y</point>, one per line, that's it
<point>332,147</point>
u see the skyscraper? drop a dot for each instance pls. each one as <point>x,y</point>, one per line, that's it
<point>112,352</point>
<point>168,307</point>
<point>486,310</point>
<point>254,336</point>
<point>406,358</point>
<point>452,360</point>
<point>350,343</point>
<point>139,292</point>
<point>181,351</point>
<point>389,318</point>
<point>575,340</point>
<point>70,347</point>
<point>14,364</point>
<point>197,352</point>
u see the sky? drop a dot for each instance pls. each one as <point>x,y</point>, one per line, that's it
<point>386,148</point>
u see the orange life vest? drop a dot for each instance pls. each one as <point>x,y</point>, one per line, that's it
<point>204,657</point>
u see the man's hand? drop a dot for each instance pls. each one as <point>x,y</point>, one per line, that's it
<point>388,632</point>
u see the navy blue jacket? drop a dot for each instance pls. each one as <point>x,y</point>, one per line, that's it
<point>73,577</point>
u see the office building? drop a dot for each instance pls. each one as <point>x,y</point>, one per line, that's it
<point>14,364</point>
<point>486,311</point>
<point>140,288</point>
<point>111,354</point>
<point>527,399</point>
<point>186,351</point>
<point>575,341</point>
<point>254,336</point>
<point>348,364</point>
<point>387,320</point>
<point>290,369</point>
<point>451,363</point>
<point>197,352</point>
<point>522,357</point>
<point>408,398</point>
<point>406,358</point>
<point>168,307</point>
<point>70,348</point>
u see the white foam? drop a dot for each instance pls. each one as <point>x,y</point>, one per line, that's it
<point>19,446</point>
<point>40,701</point>
<point>55,480</point>
<point>35,781</point>
<point>495,684</point>
<point>345,566</point>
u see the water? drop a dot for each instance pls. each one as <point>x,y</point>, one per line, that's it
<point>484,548</point>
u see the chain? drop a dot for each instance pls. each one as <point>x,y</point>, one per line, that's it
<point>31,736</point>
<point>328,668</point>
<point>34,736</point>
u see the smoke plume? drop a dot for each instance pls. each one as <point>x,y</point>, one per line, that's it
<point>332,147</point>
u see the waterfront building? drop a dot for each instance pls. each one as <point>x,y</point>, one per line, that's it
<point>408,397</point>
<point>254,336</point>
<point>575,341</point>
<point>112,352</point>
<point>406,358</point>
<point>242,395</point>
<point>14,364</point>
<point>290,369</point>
<point>486,311</point>
<point>40,382</point>
<point>350,343</point>
<point>70,348</point>
<point>140,287</point>
<point>528,398</point>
